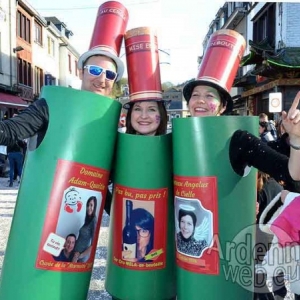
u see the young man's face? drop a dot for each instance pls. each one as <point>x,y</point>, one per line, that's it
<point>98,84</point>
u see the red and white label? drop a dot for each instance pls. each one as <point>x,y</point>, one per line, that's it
<point>149,219</point>
<point>74,186</point>
<point>196,224</point>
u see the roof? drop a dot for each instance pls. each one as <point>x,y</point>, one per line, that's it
<point>271,63</point>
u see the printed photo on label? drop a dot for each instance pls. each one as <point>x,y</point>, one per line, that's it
<point>140,228</point>
<point>138,231</point>
<point>73,217</point>
<point>194,227</point>
<point>196,224</point>
<point>78,217</point>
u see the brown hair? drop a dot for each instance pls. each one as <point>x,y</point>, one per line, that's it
<point>262,178</point>
<point>162,128</point>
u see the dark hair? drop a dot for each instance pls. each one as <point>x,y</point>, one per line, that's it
<point>183,213</point>
<point>162,128</point>
<point>225,99</point>
<point>71,235</point>
<point>142,218</point>
<point>264,125</point>
<point>262,178</point>
<point>88,218</point>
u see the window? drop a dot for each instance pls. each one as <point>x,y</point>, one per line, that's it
<point>38,79</point>
<point>264,25</point>
<point>51,46</point>
<point>38,33</point>
<point>70,63</point>
<point>75,68</point>
<point>19,26</point>
<point>23,27</point>
<point>1,56</point>
<point>24,72</point>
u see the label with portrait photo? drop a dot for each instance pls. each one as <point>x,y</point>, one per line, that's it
<point>73,218</point>
<point>139,242</point>
<point>196,223</point>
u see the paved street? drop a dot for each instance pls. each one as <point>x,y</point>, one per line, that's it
<point>7,205</point>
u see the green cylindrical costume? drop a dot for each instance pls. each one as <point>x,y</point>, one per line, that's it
<point>205,182</point>
<point>143,178</point>
<point>76,151</point>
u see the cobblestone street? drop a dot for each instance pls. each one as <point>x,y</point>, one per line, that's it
<point>7,206</point>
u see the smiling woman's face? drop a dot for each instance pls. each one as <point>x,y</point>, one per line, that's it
<point>205,101</point>
<point>186,226</point>
<point>145,117</point>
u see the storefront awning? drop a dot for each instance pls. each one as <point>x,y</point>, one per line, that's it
<point>12,101</point>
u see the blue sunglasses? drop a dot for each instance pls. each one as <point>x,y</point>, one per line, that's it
<point>97,71</point>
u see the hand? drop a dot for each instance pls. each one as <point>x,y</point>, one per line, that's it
<point>291,122</point>
<point>76,256</point>
<point>126,256</point>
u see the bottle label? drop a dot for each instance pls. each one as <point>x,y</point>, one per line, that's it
<point>196,224</point>
<point>75,206</point>
<point>149,218</point>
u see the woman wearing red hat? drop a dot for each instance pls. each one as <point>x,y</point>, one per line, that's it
<point>147,114</point>
<point>146,142</point>
<point>209,95</point>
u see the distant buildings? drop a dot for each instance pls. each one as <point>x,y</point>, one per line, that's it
<point>34,51</point>
<point>271,62</point>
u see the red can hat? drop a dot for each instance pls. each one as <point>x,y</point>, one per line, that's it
<point>219,65</point>
<point>142,65</point>
<point>109,29</point>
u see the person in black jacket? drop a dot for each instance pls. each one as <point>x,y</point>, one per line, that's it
<point>267,189</point>
<point>246,149</point>
<point>33,121</point>
<point>15,158</point>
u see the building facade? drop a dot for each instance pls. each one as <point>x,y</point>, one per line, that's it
<point>271,63</point>
<point>39,52</point>
<point>9,98</point>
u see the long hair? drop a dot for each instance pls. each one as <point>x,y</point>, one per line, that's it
<point>142,218</point>
<point>162,128</point>
<point>89,218</point>
<point>262,178</point>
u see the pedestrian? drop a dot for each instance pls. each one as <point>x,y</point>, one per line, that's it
<point>267,189</point>
<point>270,124</point>
<point>15,158</point>
<point>264,133</point>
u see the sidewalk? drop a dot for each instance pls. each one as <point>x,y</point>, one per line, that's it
<point>4,182</point>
